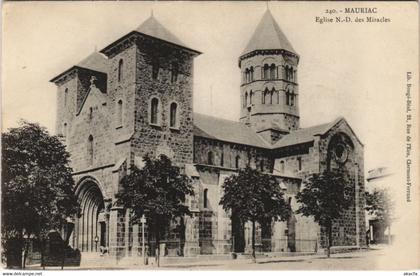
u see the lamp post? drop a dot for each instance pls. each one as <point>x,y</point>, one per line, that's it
<point>143,221</point>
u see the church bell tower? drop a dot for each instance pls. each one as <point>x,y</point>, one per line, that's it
<point>269,89</point>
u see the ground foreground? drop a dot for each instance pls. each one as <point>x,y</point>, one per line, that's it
<point>371,259</point>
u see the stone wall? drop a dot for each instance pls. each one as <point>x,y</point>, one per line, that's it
<point>176,142</point>
<point>252,156</point>
<point>344,229</point>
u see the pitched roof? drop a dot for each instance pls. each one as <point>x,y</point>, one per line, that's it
<point>304,135</point>
<point>152,27</point>
<point>268,36</point>
<point>95,61</point>
<point>226,130</point>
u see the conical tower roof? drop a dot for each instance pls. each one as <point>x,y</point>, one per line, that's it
<point>268,36</point>
<point>152,27</point>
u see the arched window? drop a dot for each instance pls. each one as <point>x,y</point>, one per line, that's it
<point>237,161</point>
<point>246,99</point>
<point>287,97</point>
<point>282,166</point>
<point>173,122</point>
<point>276,96</point>
<point>154,111</point>
<point>90,149</point>
<point>299,159</point>
<point>90,113</point>
<point>205,198</point>
<point>246,75</point>
<point>210,158</point>
<point>294,76</point>
<point>174,72</point>
<point>119,113</point>
<point>266,71</point>
<point>251,94</point>
<point>251,74</point>
<point>65,130</point>
<point>272,71</point>
<point>292,99</point>
<point>155,68</point>
<point>222,160</point>
<point>120,69</point>
<point>66,93</point>
<point>267,96</point>
<point>271,96</point>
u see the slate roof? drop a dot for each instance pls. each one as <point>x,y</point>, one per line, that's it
<point>304,135</point>
<point>152,27</point>
<point>268,36</point>
<point>95,62</point>
<point>236,132</point>
<point>226,130</point>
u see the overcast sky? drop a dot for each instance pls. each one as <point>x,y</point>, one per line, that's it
<point>355,70</point>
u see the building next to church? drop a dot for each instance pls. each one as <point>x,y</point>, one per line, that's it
<point>135,97</point>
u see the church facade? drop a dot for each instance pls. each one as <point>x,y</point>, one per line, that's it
<point>135,97</point>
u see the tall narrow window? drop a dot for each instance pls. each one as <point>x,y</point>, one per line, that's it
<point>210,158</point>
<point>154,110</point>
<point>292,99</point>
<point>173,115</point>
<point>205,199</point>
<point>119,113</point>
<point>272,71</point>
<point>287,97</point>
<point>246,75</point>
<point>155,68</point>
<point>237,161</point>
<point>266,71</point>
<point>299,159</point>
<point>66,93</point>
<point>276,97</point>
<point>262,165</point>
<point>174,72</point>
<point>90,113</point>
<point>251,94</point>
<point>267,96</point>
<point>251,74</point>
<point>246,99</point>
<point>271,96</point>
<point>90,149</point>
<point>65,130</point>
<point>222,160</point>
<point>120,69</point>
<point>282,166</point>
<point>263,97</point>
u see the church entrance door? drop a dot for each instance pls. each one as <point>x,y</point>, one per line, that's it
<point>238,235</point>
<point>90,231</point>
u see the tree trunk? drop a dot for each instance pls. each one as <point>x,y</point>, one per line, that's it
<point>329,240</point>
<point>157,251</point>
<point>253,242</point>
<point>389,235</point>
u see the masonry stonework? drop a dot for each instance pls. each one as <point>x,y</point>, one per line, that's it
<point>114,108</point>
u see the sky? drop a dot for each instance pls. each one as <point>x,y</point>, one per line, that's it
<point>354,70</point>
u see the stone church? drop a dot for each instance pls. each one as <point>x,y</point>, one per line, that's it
<point>135,97</point>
